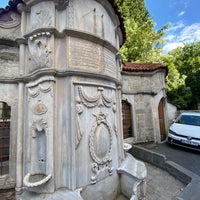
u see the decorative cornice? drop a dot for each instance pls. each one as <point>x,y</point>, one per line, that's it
<point>58,73</point>
<point>73,33</point>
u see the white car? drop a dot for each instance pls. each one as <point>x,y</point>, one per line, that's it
<point>185,131</point>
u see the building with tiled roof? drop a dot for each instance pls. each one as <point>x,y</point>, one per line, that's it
<point>143,67</point>
<point>144,93</point>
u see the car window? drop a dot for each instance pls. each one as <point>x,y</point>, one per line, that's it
<point>189,120</point>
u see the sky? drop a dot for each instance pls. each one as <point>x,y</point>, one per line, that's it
<point>184,19</point>
<point>3,3</point>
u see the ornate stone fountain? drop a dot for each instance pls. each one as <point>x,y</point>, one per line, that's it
<point>71,104</point>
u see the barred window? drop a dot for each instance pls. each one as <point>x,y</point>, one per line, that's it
<point>127,119</point>
<point>5,111</point>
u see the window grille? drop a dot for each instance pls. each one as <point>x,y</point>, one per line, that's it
<point>127,119</point>
<point>4,137</point>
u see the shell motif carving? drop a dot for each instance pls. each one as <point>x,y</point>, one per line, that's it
<point>100,143</point>
<point>39,125</point>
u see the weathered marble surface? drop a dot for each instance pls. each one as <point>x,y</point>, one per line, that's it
<point>65,96</point>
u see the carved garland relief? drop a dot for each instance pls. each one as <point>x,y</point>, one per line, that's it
<point>101,137</point>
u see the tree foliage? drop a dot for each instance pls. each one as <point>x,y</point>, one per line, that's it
<point>184,75</point>
<point>143,43</point>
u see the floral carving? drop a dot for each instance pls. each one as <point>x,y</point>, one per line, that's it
<point>40,51</point>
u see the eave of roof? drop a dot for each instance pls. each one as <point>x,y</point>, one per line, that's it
<point>143,67</point>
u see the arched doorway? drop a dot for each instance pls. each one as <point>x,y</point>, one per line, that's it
<point>127,119</point>
<point>161,119</point>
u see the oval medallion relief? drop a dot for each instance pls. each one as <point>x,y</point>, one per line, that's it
<point>101,142</point>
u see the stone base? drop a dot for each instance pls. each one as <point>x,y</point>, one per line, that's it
<point>61,194</point>
<point>106,189</point>
<point>130,182</point>
<point>133,177</point>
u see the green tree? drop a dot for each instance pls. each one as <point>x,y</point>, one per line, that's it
<point>177,91</point>
<point>143,43</point>
<point>184,75</point>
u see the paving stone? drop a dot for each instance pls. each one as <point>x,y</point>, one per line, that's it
<point>161,185</point>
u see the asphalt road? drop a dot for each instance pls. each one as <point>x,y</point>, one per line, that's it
<point>189,159</point>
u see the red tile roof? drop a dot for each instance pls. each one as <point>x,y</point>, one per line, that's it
<point>142,67</point>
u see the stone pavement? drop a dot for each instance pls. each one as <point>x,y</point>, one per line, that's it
<point>161,185</point>
<point>166,181</point>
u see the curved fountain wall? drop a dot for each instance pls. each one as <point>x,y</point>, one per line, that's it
<point>71,85</point>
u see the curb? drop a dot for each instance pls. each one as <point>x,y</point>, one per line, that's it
<point>192,180</point>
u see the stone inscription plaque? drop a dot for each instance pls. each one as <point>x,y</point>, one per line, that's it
<point>90,56</point>
<point>110,62</point>
<point>84,54</point>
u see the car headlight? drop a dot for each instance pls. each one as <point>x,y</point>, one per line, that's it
<point>172,132</point>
